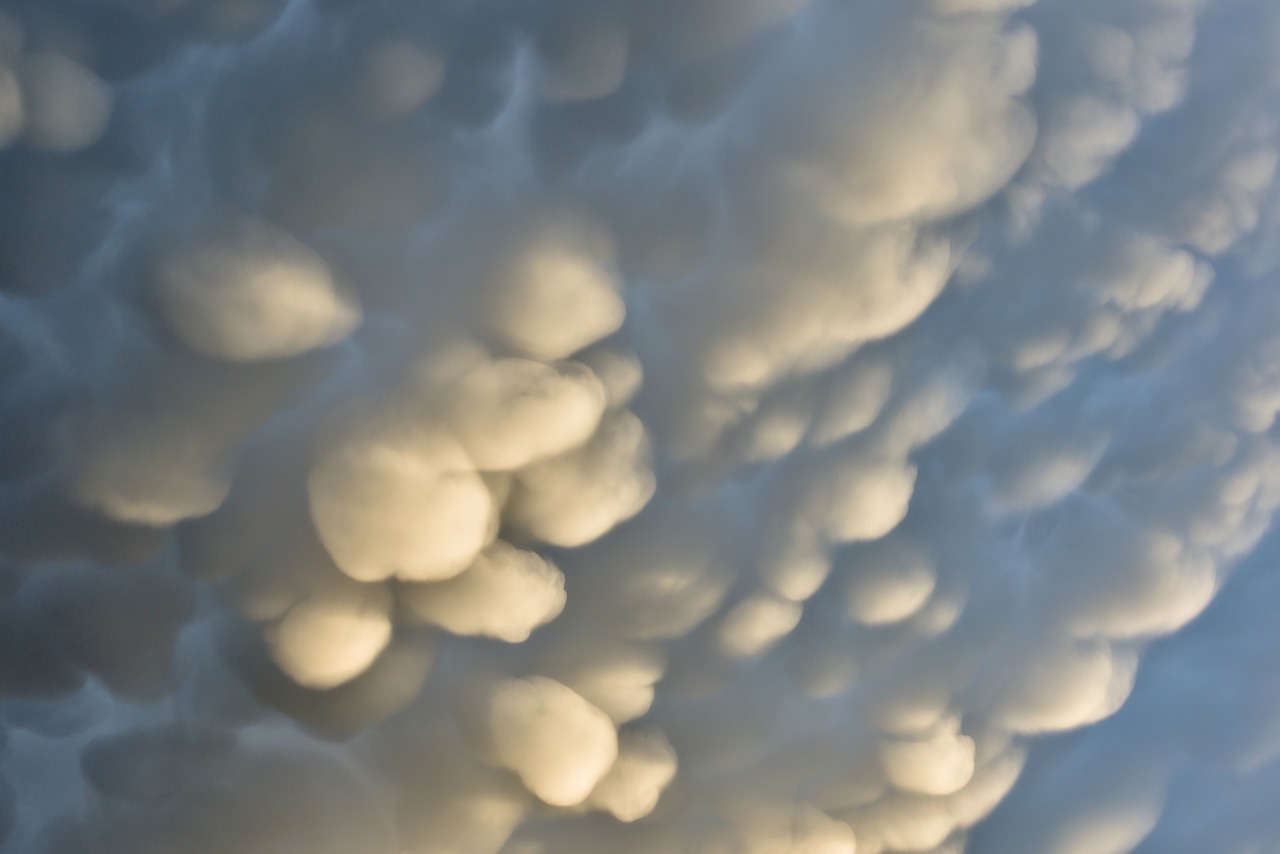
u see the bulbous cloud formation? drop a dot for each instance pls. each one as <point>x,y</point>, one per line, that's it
<point>645,426</point>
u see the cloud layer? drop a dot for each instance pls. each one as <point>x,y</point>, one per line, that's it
<point>702,426</point>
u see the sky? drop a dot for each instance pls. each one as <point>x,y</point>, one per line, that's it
<point>642,426</point>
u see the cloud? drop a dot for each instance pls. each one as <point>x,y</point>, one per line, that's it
<point>506,593</point>
<point>707,426</point>
<point>559,745</point>
<point>258,294</point>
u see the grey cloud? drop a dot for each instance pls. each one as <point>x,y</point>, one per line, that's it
<point>671,426</point>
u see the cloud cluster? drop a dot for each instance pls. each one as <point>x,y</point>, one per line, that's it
<point>699,426</point>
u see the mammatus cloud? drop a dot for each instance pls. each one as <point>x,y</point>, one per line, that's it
<point>703,426</point>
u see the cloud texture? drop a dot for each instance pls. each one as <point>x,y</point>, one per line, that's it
<point>708,426</point>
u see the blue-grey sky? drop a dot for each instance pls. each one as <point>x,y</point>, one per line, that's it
<point>644,426</point>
